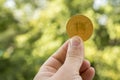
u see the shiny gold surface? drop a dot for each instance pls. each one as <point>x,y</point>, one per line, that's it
<point>79,25</point>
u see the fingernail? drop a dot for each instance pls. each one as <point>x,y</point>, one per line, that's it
<point>75,41</point>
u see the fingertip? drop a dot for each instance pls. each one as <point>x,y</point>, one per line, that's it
<point>87,63</point>
<point>77,37</point>
<point>92,70</point>
<point>85,66</point>
<point>76,47</point>
<point>88,74</point>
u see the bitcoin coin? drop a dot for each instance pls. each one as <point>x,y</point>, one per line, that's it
<point>79,25</point>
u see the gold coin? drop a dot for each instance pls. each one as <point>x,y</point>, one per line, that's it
<point>79,25</point>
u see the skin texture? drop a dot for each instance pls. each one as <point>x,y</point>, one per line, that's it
<point>67,63</point>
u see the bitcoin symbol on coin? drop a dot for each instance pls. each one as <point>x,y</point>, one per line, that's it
<point>79,25</point>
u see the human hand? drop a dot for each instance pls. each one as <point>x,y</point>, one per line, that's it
<point>67,63</point>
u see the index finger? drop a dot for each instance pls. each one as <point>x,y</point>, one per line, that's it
<point>57,59</point>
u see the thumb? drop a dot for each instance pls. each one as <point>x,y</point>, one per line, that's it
<point>75,54</point>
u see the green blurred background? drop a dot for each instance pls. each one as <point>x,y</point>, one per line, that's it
<point>32,30</point>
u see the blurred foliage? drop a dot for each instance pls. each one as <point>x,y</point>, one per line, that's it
<point>31,30</point>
